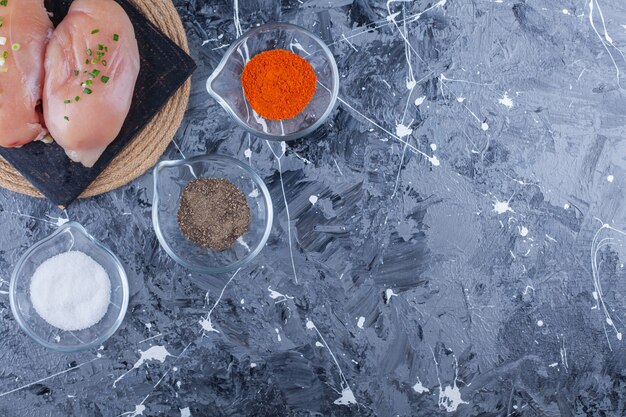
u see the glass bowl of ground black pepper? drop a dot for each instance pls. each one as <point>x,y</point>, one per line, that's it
<point>278,81</point>
<point>211,213</point>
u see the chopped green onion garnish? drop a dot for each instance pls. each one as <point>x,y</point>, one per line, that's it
<point>116,37</point>
<point>0,21</point>
<point>76,72</point>
<point>89,52</point>
<point>104,62</point>
<point>76,98</point>
<point>87,91</point>
<point>87,61</point>
<point>3,3</point>
<point>95,72</point>
<point>88,83</point>
<point>67,102</point>
<point>105,79</point>
<point>5,54</point>
<point>66,118</point>
<point>93,32</point>
<point>100,47</point>
<point>16,46</point>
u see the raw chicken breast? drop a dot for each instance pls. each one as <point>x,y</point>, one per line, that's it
<point>92,65</point>
<point>24,32</point>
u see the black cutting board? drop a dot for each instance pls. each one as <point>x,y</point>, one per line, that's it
<point>164,69</point>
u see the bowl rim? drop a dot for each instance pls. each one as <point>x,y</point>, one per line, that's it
<point>261,134</point>
<point>240,263</point>
<point>121,272</point>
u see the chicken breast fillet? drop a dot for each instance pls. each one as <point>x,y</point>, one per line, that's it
<point>24,32</point>
<point>92,63</point>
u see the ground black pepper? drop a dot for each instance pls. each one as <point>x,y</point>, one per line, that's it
<point>213,213</point>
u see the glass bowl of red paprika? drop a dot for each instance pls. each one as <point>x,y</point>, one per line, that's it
<point>225,84</point>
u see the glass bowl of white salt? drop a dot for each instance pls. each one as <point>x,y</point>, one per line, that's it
<point>68,291</point>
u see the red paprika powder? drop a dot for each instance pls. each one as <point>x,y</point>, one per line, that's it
<point>278,84</point>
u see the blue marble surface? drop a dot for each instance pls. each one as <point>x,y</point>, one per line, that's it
<point>450,243</point>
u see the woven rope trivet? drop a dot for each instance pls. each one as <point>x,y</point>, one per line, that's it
<point>148,146</point>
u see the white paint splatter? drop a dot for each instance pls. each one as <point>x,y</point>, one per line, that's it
<point>553,365</point>
<point>596,245</point>
<point>433,147</point>
<point>566,206</point>
<point>319,344</point>
<point>275,295</point>
<point>280,339</point>
<point>185,412</point>
<point>523,231</point>
<point>154,353</point>
<point>253,365</point>
<point>403,131</point>
<point>450,398</point>
<point>484,126</point>
<point>207,325</point>
<point>243,243</point>
<point>420,100</point>
<point>606,39</point>
<point>506,101</point>
<point>502,207</point>
<point>460,99</point>
<point>254,193</point>
<point>313,199</point>
<point>610,178</point>
<point>139,409</point>
<point>419,387</point>
<point>388,294</point>
<point>248,153</point>
<point>205,322</point>
<point>59,221</point>
<point>540,323</point>
<point>283,147</point>
<point>297,45</point>
<point>238,30</point>
<point>563,352</point>
<point>392,17</point>
<point>434,160</point>
<point>565,11</point>
<point>347,397</point>
<point>360,322</point>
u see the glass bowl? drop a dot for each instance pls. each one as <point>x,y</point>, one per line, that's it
<point>171,177</point>
<point>225,82</point>
<point>70,236</point>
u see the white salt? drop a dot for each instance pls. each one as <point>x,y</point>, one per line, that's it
<point>70,291</point>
